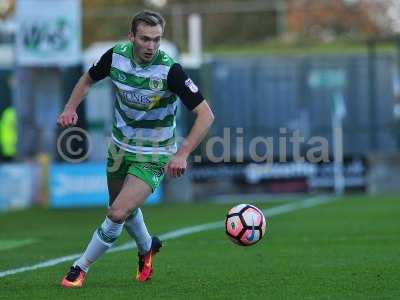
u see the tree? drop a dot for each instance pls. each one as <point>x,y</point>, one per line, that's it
<point>103,21</point>
<point>325,20</point>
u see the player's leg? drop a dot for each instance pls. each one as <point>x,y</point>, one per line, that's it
<point>151,173</point>
<point>108,231</point>
<point>136,228</point>
<point>132,195</point>
<point>103,238</point>
<point>106,234</point>
<point>114,186</point>
<point>134,224</point>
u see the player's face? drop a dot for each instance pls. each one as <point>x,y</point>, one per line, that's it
<point>146,41</point>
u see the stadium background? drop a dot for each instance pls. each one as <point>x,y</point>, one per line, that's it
<point>326,69</point>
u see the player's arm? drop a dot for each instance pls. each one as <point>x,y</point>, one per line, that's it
<point>97,72</point>
<point>190,95</point>
<point>68,116</point>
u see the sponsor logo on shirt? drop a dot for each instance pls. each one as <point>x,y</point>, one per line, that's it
<point>135,98</point>
<point>192,87</point>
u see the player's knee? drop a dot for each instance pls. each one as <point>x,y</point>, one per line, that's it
<point>118,215</point>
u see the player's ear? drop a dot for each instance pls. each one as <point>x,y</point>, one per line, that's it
<point>131,36</point>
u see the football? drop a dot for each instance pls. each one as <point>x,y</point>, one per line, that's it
<point>245,224</point>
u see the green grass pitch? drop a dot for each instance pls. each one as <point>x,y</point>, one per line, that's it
<point>344,249</point>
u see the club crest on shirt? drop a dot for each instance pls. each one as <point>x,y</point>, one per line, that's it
<point>190,84</point>
<point>156,84</point>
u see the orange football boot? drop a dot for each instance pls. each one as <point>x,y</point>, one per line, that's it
<point>145,267</point>
<point>74,278</point>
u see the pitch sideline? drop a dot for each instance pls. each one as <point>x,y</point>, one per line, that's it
<point>274,211</point>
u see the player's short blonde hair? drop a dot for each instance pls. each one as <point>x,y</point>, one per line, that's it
<point>148,17</point>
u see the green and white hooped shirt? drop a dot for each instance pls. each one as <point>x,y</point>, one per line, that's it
<point>146,99</point>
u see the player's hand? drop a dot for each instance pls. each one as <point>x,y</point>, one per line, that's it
<point>176,166</point>
<point>68,118</point>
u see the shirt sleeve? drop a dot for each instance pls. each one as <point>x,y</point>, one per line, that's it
<point>180,84</point>
<point>101,69</point>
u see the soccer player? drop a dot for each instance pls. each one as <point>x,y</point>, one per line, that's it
<point>147,85</point>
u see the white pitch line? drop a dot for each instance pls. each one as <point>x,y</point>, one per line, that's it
<point>274,211</point>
